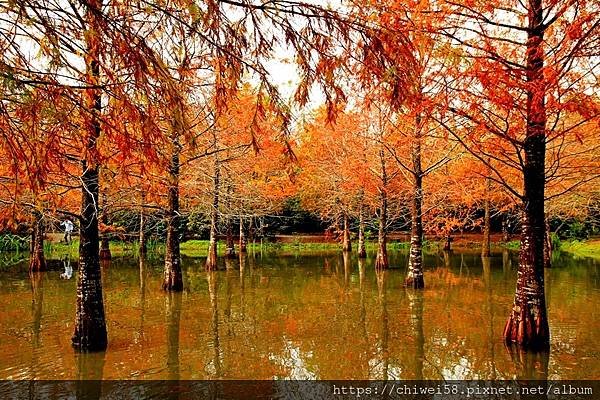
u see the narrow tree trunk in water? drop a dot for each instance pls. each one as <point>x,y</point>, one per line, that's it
<point>242,236</point>
<point>414,278</point>
<point>547,245</point>
<point>485,243</point>
<point>362,251</point>
<point>230,246</point>
<point>448,243</point>
<point>527,324</point>
<point>211,259</point>
<point>143,243</point>
<point>381,261</point>
<point>90,325</point>
<point>37,261</point>
<point>346,243</point>
<point>173,280</point>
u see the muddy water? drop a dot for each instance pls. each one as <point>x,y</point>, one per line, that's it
<point>303,316</point>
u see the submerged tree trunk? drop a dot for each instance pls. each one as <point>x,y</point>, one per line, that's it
<point>381,261</point>
<point>346,243</point>
<point>37,261</point>
<point>414,278</point>
<point>485,243</point>
<point>211,259</point>
<point>527,324</point>
<point>448,242</point>
<point>90,325</point>
<point>242,243</point>
<point>173,279</point>
<point>362,251</point>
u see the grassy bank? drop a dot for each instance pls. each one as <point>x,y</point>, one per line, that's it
<point>588,248</point>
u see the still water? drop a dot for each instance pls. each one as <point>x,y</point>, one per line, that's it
<point>302,316</point>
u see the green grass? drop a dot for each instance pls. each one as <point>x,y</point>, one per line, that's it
<point>582,248</point>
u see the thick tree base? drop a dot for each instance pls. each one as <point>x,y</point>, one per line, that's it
<point>105,250</point>
<point>381,262</point>
<point>414,282</point>
<point>95,339</point>
<point>211,262</point>
<point>105,254</point>
<point>173,282</point>
<point>527,331</point>
<point>37,264</point>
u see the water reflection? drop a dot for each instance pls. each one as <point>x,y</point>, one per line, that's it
<point>173,313</point>
<point>415,301</point>
<point>294,316</point>
<point>215,366</point>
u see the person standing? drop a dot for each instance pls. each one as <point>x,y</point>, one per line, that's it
<point>68,230</point>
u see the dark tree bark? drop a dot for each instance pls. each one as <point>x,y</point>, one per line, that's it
<point>173,279</point>
<point>527,324</point>
<point>381,261</point>
<point>211,259</point>
<point>37,261</point>
<point>414,277</point>
<point>485,243</point>
<point>242,243</point>
<point>346,243</point>
<point>90,325</point>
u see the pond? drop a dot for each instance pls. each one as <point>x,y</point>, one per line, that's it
<point>318,315</point>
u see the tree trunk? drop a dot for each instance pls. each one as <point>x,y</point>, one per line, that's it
<point>414,278</point>
<point>211,259</point>
<point>37,261</point>
<point>547,245</point>
<point>90,325</point>
<point>485,244</point>
<point>142,238</point>
<point>230,246</point>
<point>346,243</point>
<point>104,243</point>
<point>242,243</point>
<point>448,243</point>
<point>173,279</point>
<point>527,324</point>
<point>362,251</point>
<point>381,261</point>
<point>505,232</point>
